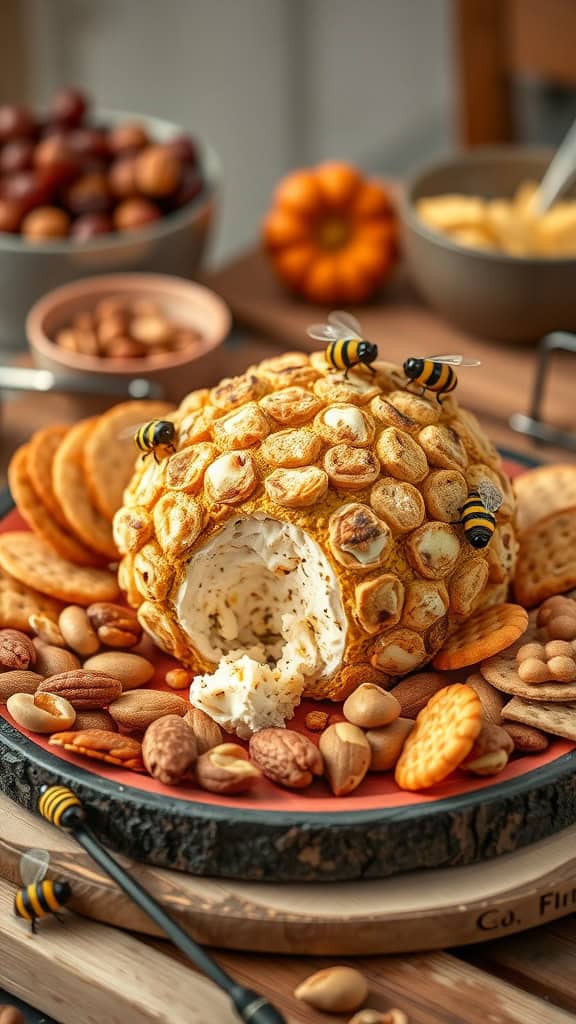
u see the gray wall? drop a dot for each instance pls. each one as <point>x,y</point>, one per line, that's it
<point>272,83</point>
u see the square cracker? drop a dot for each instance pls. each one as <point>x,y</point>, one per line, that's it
<point>558,719</point>
<point>547,560</point>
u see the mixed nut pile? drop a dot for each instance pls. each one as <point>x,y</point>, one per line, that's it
<point>116,329</point>
<point>64,176</point>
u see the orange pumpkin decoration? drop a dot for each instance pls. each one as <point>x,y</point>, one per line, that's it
<point>331,234</point>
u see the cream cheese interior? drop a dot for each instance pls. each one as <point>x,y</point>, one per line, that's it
<point>261,601</point>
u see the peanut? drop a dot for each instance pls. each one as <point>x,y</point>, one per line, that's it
<point>46,629</point>
<point>334,990</point>
<point>52,660</point>
<point>77,631</point>
<point>371,707</point>
<point>563,669</point>
<point>386,744</point>
<point>226,769</point>
<point>132,670</point>
<point>41,712</point>
<point>533,670</point>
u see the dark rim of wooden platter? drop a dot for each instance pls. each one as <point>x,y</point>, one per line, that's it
<point>283,846</point>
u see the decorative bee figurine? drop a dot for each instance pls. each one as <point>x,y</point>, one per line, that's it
<point>477,514</point>
<point>435,373</point>
<point>40,897</point>
<point>156,438</point>
<point>346,347</point>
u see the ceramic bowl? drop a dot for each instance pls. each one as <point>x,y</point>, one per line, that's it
<point>176,244</point>
<point>509,298</point>
<point>186,302</point>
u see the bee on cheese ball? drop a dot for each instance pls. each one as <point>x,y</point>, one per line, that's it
<point>157,438</point>
<point>435,373</point>
<point>477,514</point>
<point>346,346</point>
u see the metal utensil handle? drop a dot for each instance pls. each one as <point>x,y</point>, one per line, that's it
<point>20,378</point>
<point>559,173</point>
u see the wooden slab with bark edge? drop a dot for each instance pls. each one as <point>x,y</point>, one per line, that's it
<point>419,911</point>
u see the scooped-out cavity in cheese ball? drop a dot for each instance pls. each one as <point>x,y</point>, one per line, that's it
<point>303,536</point>
<point>262,601</point>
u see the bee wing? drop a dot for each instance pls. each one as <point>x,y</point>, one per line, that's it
<point>345,322</point>
<point>454,360</point>
<point>322,332</point>
<point>130,431</point>
<point>491,497</point>
<point>33,866</point>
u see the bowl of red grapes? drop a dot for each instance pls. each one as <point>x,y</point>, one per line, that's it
<point>84,190</point>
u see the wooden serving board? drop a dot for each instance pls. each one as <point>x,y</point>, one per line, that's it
<point>420,911</point>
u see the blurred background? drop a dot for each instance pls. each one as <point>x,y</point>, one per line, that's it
<point>275,84</point>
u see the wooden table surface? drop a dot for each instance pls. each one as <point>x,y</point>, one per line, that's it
<point>525,979</point>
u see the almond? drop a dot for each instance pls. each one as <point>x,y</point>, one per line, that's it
<point>98,719</point>
<point>16,649</point>
<point>492,700</point>
<point>131,669</point>
<point>85,690</point>
<point>526,739</point>
<point>207,733</point>
<point>169,749</point>
<point>414,692</point>
<point>137,709</point>
<point>18,681</point>
<point>386,744</point>
<point>52,660</point>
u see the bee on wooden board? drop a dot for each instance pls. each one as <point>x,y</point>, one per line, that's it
<point>157,438</point>
<point>477,514</point>
<point>40,896</point>
<point>435,373</point>
<point>346,347</point>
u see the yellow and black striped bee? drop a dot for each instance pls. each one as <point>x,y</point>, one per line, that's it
<point>40,897</point>
<point>156,438</point>
<point>477,514</point>
<point>346,347</point>
<point>435,373</point>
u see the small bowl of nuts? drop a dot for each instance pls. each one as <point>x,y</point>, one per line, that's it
<point>152,326</point>
<point>86,191</point>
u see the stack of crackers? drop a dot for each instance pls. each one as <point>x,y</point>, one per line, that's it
<point>67,482</point>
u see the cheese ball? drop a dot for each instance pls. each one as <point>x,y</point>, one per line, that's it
<point>301,539</point>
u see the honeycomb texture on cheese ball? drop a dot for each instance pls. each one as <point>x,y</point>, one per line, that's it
<point>373,472</point>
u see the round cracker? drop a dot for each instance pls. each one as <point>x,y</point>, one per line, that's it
<point>38,517</point>
<point>542,491</point>
<point>30,560</point>
<point>110,454</point>
<point>444,734</point>
<point>18,603</point>
<point>71,490</point>
<point>485,633</point>
<point>502,674</point>
<point>41,448</point>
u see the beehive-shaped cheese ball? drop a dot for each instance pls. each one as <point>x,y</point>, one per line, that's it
<point>301,538</point>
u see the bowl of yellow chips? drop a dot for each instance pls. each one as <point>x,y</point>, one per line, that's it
<point>480,251</point>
